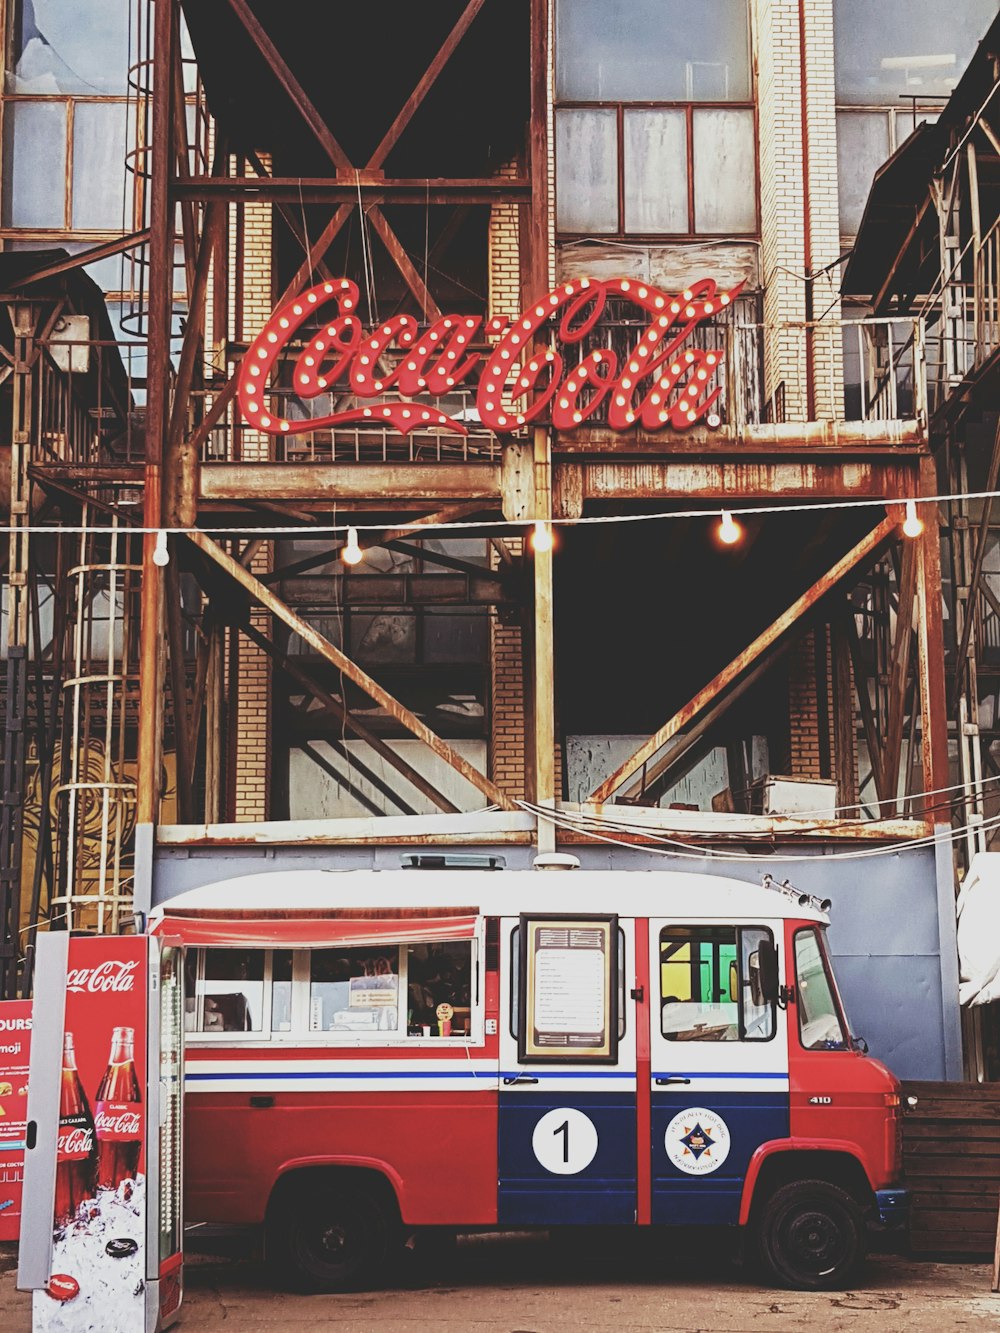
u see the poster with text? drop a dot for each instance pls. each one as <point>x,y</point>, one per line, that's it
<point>15,1049</point>
<point>99,1224</point>
<point>569,999</point>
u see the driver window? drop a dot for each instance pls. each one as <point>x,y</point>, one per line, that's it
<point>710,984</point>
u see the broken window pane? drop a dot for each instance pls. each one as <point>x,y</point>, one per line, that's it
<point>63,46</point>
<point>99,166</point>
<point>34,164</point>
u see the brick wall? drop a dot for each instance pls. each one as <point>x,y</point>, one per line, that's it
<point>253,703</point>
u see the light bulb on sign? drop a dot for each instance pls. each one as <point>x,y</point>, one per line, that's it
<point>161,556</point>
<point>351,553</point>
<point>541,538</point>
<point>729,530</point>
<point>912,524</point>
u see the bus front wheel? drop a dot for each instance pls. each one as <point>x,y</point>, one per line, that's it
<point>810,1236</point>
<point>325,1237</point>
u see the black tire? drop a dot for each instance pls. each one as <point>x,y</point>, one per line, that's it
<point>811,1236</point>
<point>325,1237</point>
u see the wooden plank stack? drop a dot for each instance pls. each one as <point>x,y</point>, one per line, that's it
<point>951,1165</point>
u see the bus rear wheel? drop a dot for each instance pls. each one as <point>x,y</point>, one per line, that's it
<point>810,1236</point>
<point>321,1237</point>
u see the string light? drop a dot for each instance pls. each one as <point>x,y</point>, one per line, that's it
<point>275,531</point>
<point>351,553</point>
<point>729,530</point>
<point>913,524</point>
<point>541,537</point>
<point>161,556</point>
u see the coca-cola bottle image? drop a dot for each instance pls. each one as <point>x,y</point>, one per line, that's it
<point>118,1114</point>
<point>76,1151</point>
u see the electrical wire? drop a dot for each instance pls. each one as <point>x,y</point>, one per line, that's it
<point>676,847</point>
<point>473,525</point>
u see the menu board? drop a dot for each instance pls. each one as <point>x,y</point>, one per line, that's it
<point>15,1042</point>
<point>568,999</point>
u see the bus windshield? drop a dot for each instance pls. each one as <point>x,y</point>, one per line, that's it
<point>821,1023</point>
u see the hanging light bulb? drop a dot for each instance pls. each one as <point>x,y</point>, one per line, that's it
<point>912,524</point>
<point>729,530</point>
<point>351,553</point>
<point>541,538</point>
<point>161,556</point>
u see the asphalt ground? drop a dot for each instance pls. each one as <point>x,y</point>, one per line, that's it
<point>530,1284</point>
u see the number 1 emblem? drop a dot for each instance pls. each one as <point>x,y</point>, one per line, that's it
<point>564,1141</point>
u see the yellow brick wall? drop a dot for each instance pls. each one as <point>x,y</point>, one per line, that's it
<point>253,719</point>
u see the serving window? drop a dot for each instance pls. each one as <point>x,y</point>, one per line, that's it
<point>370,993</point>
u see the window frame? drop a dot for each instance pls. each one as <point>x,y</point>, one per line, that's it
<point>743,982</point>
<point>831,982</point>
<point>519,989</point>
<point>689,109</point>
<point>300,1033</point>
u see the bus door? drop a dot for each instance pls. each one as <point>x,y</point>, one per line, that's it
<point>718,1066</point>
<point>567,1122</point>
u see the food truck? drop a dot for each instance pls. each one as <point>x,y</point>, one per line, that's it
<point>369,1053</point>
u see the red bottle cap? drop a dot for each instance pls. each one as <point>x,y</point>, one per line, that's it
<point>62,1287</point>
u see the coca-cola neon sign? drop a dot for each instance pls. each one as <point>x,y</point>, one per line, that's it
<point>663,380</point>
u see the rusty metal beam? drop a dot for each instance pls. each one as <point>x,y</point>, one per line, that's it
<point>181,460</point>
<point>862,551</point>
<point>404,263</point>
<point>426,82</point>
<point>283,73</point>
<point>899,675</point>
<point>382,483</point>
<point>161,258</point>
<point>379,189</point>
<point>407,719</point>
<point>346,718</point>
<point>930,647</point>
<point>89,256</point>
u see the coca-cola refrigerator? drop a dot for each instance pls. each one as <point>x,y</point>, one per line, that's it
<point>101,1225</point>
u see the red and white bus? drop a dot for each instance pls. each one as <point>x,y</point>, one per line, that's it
<point>370,1053</point>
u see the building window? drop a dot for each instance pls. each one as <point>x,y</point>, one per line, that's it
<point>654,122</point>
<point>896,64</point>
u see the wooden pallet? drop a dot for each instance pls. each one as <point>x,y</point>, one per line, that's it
<point>951,1164</point>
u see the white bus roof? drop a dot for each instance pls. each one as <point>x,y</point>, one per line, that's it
<point>630,893</point>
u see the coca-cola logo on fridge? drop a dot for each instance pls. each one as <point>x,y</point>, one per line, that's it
<point>112,975</point>
<point>123,1124</point>
<point>78,1142</point>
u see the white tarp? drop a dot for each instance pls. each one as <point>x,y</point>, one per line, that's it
<point>978,910</point>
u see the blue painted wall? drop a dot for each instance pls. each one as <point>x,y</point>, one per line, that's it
<point>892,931</point>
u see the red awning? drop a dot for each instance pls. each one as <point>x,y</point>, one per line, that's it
<point>312,932</point>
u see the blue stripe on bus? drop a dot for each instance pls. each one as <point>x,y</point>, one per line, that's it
<point>700,1073</point>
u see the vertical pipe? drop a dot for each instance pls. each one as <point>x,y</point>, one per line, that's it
<point>807,258</point>
<point>160,294</point>
<point>544,664</point>
<point>930,646</point>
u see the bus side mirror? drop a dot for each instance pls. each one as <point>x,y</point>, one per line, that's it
<point>734,984</point>
<point>764,985</point>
